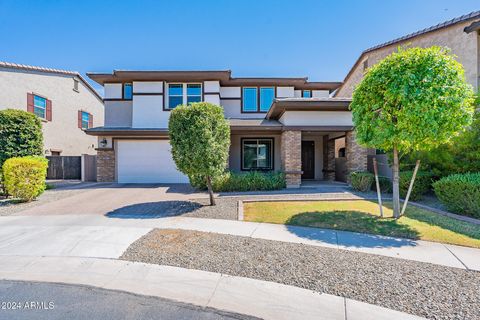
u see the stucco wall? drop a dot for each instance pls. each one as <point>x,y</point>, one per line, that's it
<point>464,45</point>
<point>62,133</point>
<point>317,118</point>
<point>236,145</point>
<point>118,113</point>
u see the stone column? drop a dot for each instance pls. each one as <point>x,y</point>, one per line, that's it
<point>329,168</point>
<point>105,165</point>
<point>291,154</point>
<point>356,155</point>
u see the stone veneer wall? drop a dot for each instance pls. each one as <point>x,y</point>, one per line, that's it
<point>356,155</point>
<point>105,165</point>
<point>330,168</point>
<point>291,153</point>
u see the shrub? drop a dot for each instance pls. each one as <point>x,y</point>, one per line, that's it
<point>385,185</point>
<point>24,177</point>
<point>361,181</point>
<point>422,184</point>
<point>250,181</point>
<point>460,193</point>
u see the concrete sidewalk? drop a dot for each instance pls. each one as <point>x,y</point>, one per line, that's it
<point>257,298</point>
<point>103,237</point>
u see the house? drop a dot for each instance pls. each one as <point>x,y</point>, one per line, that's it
<point>64,101</point>
<point>461,35</point>
<point>287,124</point>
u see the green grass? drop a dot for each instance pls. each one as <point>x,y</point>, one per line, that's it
<point>363,216</point>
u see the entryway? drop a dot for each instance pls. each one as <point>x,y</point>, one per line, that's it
<point>308,160</point>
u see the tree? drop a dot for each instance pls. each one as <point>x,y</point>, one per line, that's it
<point>414,99</point>
<point>20,134</point>
<point>200,139</point>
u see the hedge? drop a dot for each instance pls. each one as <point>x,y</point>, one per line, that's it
<point>422,184</point>
<point>24,177</point>
<point>251,181</point>
<point>385,185</point>
<point>460,193</point>
<point>361,181</point>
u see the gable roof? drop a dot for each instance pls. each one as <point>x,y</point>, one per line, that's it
<point>464,18</point>
<point>11,65</point>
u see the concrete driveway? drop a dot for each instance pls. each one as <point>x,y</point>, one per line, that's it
<point>101,198</point>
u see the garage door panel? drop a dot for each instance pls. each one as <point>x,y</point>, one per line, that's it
<point>147,162</point>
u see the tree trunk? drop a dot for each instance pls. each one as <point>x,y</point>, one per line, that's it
<point>396,189</point>
<point>210,191</point>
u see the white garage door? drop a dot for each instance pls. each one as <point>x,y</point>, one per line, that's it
<point>146,162</point>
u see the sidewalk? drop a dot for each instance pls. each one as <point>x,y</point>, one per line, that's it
<point>103,237</point>
<point>257,298</point>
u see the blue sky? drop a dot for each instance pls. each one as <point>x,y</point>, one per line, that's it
<point>318,39</point>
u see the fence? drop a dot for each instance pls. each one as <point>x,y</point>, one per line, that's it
<point>64,167</point>
<point>89,167</point>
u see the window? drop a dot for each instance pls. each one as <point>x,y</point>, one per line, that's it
<point>266,98</point>
<point>250,100</point>
<point>85,119</point>
<point>183,93</point>
<point>127,91</point>
<point>306,93</point>
<point>365,64</point>
<point>40,106</point>
<point>75,85</point>
<point>257,154</point>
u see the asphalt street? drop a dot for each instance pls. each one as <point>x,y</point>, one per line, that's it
<point>39,300</point>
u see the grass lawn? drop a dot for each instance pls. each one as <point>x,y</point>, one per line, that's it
<point>363,216</point>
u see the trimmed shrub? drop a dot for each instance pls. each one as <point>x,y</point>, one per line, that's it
<point>460,193</point>
<point>385,184</point>
<point>361,181</point>
<point>251,181</point>
<point>422,184</point>
<point>24,178</point>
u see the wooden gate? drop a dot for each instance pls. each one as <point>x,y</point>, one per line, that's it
<point>64,167</point>
<point>89,167</point>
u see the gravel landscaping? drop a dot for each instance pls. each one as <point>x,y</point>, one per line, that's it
<point>427,290</point>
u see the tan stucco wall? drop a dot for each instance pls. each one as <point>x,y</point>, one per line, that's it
<point>464,45</point>
<point>62,133</point>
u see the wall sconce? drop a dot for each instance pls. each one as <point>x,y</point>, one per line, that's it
<point>103,143</point>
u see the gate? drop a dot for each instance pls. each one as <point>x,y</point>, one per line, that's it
<point>64,167</point>
<point>89,167</point>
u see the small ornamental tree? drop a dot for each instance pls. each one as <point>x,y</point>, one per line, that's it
<point>414,99</point>
<point>20,135</point>
<point>200,139</point>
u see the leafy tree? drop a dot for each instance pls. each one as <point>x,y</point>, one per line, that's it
<point>20,134</point>
<point>414,99</point>
<point>200,139</point>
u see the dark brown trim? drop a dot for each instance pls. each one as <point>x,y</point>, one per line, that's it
<point>230,98</point>
<point>318,128</point>
<point>114,99</point>
<point>123,133</point>
<point>211,93</point>
<point>475,26</point>
<point>279,107</point>
<point>147,94</point>
<point>257,138</point>
<point>339,137</point>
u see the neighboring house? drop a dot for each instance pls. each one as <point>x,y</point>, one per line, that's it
<point>286,124</point>
<point>63,100</point>
<point>461,35</point>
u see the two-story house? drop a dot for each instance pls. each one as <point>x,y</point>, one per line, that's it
<point>287,124</point>
<point>64,101</point>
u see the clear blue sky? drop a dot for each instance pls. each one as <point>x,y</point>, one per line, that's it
<point>318,39</point>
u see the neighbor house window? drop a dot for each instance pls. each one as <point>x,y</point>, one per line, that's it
<point>257,154</point>
<point>306,93</point>
<point>85,119</point>
<point>257,99</point>
<point>75,84</point>
<point>40,106</point>
<point>183,93</point>
<point>266,98</point>
<point>127,91</point>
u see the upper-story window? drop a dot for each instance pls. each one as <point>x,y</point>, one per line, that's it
<point>75,85</point>
<point>40,106</point>
<point>254,102</point>
<point>127,91</point>
<point>183,93</point>
<point>306,93</point>
<point>85,119</point>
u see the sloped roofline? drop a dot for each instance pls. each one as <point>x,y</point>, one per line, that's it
<point>12,65</point>
<point>445,24</point>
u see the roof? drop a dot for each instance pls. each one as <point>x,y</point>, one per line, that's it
<point>464,18</point>
<point>279,106</point>
<point>254,124</point>
<point>224,76</point>
<point>11,65</point>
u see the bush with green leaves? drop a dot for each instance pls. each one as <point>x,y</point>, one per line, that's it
<point>385,185</point>
<point>460,193</point>
<point>200,140</point>
<point>24,177</point>
<point>250,181</point>
<point>361,181</point>
<point>422,184</point>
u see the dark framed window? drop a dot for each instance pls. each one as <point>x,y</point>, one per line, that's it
<point>85,119</point>
<point>175,95</point>
<point>257,99</point>
<point>75,85</point>
<point>257,154</point>
<point>194,92</point>
<point>306,93</point>
<point>250,100</point>
<point>40,106</point>
<point>127,91</point>
<point>183,94</point>
<point>267,94</point>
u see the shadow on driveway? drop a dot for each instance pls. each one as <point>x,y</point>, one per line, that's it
<point>152,210</point>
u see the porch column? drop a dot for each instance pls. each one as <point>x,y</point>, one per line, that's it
<point>291,154</point>
<point>105,165</point>
<point>328,158</point>
<point>356,155</point>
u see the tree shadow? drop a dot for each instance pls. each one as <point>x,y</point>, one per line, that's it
<point>355,229</point>
<point>154,210</point>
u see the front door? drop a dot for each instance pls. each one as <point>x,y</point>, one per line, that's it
<point>308,159</point>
